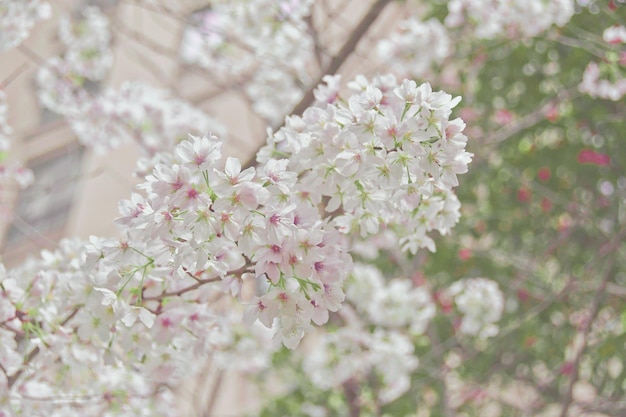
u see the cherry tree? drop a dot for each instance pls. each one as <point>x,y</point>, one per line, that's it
<point>343,241</point>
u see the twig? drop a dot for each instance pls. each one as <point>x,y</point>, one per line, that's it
<point>8,80</point>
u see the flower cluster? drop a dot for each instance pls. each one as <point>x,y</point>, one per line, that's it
<point>17,18</point>
<point>352,354</point>
<point>197,224</point>
<point>134,112</point>
<point>264,42</point>
<point>396,311</point>
<point>87,41</point>
<point>387,159</point>
<point>382,320</point>
<point>393,304</point>
<point>382,323</point>
<point>607,80</point>
<point>64,82</point>
<point>137,112</point>
<point>70,347</point>
<point>416,47</point>
<point>517,18</point>
<point>481,303</point>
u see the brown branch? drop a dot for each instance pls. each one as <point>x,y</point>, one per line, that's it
<point>213,396</point>
<point>8,80</point>
<point>351,391</point>
<point>182,291</point>
<point>336,62</point>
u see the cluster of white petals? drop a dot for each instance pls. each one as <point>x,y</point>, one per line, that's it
<point>386,159</point>
<point>138,112</point>
<point>481,304</point>
<point>88,41</point>
<point>265,42</point>
<point>5,129</point>
<point>396,303</point>
<point>615,34</point>
<point>353,354</point>
<point>63,83</point>
<point>608,79</point>
<point>70,347</point>
<point>509,18</point>
<point>17,18</point>
<point>379,338</point>
<point>416,47</point>
<point>11,171</point>
<point>196,224</point>
<point>598,87</point>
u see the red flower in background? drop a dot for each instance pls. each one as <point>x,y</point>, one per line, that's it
<point>552,114</point>
<point>544,174</point>
<point>523,195</point>
<point>465,254</point>
<point>587,156</point>
<point>503,117</point>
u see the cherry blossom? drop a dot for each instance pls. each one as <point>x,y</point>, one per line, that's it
<point>17,18</point>
<point>416,47</point>
<point>481,303</point>
<point>264,42</point>
<point>13,170</point>
<point>518,18</point>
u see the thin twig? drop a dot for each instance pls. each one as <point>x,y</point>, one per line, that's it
<point>8,80</point>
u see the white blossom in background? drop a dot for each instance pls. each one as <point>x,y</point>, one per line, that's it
<point>63,81</point>
<point>17,19</point>
<point>336,357</point>
<point>59,90</point>
<point>137,112</point>
<point>351,353</point>
<point>88,44</point>
<point>378,336</point>
<point>396,303</point>
<point>10,171</point>
<point>5,129</point>
<point>509,18</point>
<point>607,80</point>
<point>416,48</point>
<point>615,34</point>
<point>481,304</point>
<point>266,43</point>
<point>598,87</point>
<point>150,116</point>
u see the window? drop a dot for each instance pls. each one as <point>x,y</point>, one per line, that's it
<point>44,207</point>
